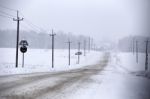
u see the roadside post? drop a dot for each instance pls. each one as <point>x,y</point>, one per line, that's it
<point>79,52</point>
<point>146,54</point>
<point>23,49</point>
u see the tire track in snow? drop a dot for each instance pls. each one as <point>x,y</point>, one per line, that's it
<point>71,77</point>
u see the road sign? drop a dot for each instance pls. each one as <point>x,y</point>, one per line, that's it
<point>23,49</point>
<point>23,43</point>
<point>78,53</point>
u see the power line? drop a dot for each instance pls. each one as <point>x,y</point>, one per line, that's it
<point>31,24</point>
<point>29,27</point>
<point>26,27</point>
<point>7,14</point>
<point>8,8</point>
<point>4,16</point>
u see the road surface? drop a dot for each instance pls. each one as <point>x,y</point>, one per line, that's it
<point>56,85</point>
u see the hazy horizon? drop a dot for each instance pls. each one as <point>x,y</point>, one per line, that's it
<point>101,19</point>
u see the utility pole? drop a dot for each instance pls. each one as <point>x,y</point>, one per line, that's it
<point>89,44</point>
<point>17,41</point>
<point>84,47</point>
<point>136,51</point>
<point>79,51</point>
<point>133,46</point>
<point>52,47</point>
<point>94,47</point>
<point>69,45</point>
<point>146,58</point>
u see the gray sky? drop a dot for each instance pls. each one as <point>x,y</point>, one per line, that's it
<point>101,19</point>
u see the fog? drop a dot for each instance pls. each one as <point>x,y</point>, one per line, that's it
<point>104,20</point>
<point>75,49</point>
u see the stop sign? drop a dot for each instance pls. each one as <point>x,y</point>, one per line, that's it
<point>23,49</point>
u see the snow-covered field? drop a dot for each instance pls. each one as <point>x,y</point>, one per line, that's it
<point>113,75</point>
<point>126,62</point>
<point>39,60</point>
<point>123,78</point>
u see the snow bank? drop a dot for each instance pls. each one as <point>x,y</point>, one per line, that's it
<point>123,78</point>
<point>127,63</point>
<point>39,60</point>
<point>117,81</point>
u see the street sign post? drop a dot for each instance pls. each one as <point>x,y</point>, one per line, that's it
<point>23,49</point>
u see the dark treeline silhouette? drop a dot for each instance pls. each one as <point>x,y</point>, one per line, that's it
<point>40,40</point>
<point>128,44</point>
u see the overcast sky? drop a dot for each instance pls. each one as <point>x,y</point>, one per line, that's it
<point>101,19</point>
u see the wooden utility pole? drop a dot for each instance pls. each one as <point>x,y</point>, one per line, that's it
<point>79,51</point>
<point>69,45</point>
<point>146,58</point>
<point>94,47</point>
<point>84,47</point>
<point>17,39</point>
<point>89,44</point>
<point>52,47</point>
<point>133,46</point>
<point>136,51</point>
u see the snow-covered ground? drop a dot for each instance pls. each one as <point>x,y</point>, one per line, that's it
<point>127,63</point>
<point>123,78</point>
<point>39,60</point>
<point>112,75</point>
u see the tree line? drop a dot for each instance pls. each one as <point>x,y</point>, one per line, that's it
<point>40,40</point>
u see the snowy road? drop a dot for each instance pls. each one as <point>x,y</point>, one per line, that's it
<point>49,85</point>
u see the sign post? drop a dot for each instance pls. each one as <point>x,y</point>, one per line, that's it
<point>23,49</point>
<point>79,52</point>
